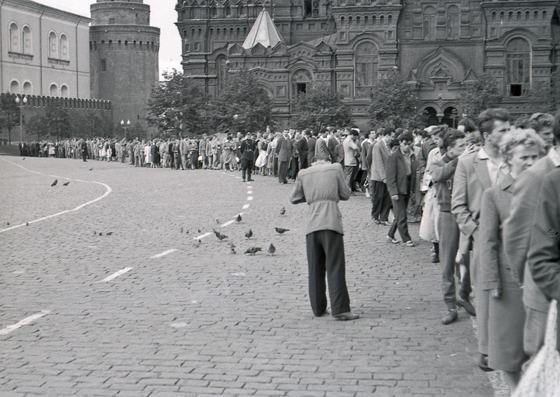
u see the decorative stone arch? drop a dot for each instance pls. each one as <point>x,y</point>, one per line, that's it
<point>440,66</point>
<point>366,36</point>
<point>516,33</point>
<point>27,87</point>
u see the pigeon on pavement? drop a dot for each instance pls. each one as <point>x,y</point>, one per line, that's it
<point>238,218</point>
<point>219,235</point>
<point>271,249</point>
<point>281,230</point>
<point>109,233</point>
<point>66,184</point>
<point>283,211</point>
<point>55,182</point>
<point>253,250</point>
<point>249,234</point>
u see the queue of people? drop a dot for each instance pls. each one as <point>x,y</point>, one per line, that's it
<point>486,195</point>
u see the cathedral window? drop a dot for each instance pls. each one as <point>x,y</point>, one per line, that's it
<point>53,46</point>
<point>366,60</point>
<point>518,63</point>
<point>26,40</point>
<point>222,73</point>
<point>311,9</point>
<point>14,38</point>
<point>63,47</point>
<point>453,22</point>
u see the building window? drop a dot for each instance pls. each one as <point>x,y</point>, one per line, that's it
<point>453,22</point>
<point>26,40</point>
<point>311,9</point>
<point>27,88</point>
<point>14,87</point>
<point>300,81</point>
<point>63,46</point>
<point>53,46</point>
<point>64,92</point>
<point>14,38</point>
<point>366,58</point>
<point>53,90</point>
<point>222,73</point>
<point>518,63</point>
<point>103,65</point>
<point>227,10</point>
<point>429,23</point>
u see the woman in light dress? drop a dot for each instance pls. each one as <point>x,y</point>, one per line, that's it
<point>263,154</point>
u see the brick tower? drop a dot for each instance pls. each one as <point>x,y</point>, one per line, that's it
<point>123,58</point>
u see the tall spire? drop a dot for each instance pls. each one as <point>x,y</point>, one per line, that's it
<point>263,31</point>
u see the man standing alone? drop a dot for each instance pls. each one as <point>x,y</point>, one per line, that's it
<point>322,186</point>
<point>247,150</point>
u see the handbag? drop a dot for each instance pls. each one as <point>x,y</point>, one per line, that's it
<point>542,377</point>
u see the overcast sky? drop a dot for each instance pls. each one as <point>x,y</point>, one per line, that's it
<point>163,16</point>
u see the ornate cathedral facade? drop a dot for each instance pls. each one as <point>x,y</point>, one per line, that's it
<point>439,46</point>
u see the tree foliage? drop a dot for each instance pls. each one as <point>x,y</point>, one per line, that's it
<point>178,104</point>
<point>37,126</point>
<point>243,105</point>
<point>478,96</point>
<point>319,107</point>
<point>57,120</point>
<point>9,113</point>
<point>393,102</point>
<point>544,96</point>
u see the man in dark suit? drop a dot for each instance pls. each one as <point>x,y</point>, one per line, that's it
<point>311,142</point>
<point>301,147</point>
<point>401,174</point>
<point>247,150</point>
<point>284,152</point>
<point>332,143</point>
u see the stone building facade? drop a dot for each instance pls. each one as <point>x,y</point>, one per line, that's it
<point>123,57</point>
<point>43,51</point>
<point>438,45</point>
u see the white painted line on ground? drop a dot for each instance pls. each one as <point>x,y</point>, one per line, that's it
<point>163,253</point>
<point>23,322</point>
<point>107,192</point>
<point>202,236</point>
<point>249,187</point>
<point>246,206</point>
<point>227,223</point>
<point>249,192</point>
<point>249,198</point>
<point>115,275</point>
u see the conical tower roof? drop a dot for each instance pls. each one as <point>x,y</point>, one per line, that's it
<point>264,32</point>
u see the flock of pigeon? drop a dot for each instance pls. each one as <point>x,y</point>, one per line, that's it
<point>56,182</point>
<point>251,250</point>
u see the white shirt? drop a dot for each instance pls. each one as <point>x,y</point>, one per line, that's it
<point>494,168</point>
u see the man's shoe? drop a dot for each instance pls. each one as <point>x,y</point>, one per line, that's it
<point>392,240</point>
<point>386,223</point>
<point>325,313</point>
<point>449,317</point>
<point>435,258</point>
<point>346,316</point>
<point>377,221</point>
<point>409,243</point>
<point>483,363</point>
<point>465,304</point>
<point>250,180</point>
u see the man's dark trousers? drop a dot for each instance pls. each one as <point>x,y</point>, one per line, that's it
<point>380,201</point>
<point>283,172</point>
<point>325,254</point>
<point>448,245</point>
<point>246,168</point>
<point>400,222</point>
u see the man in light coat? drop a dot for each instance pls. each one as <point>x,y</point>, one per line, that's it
<point>322,186</point>
<point>475,173</point>
<point>380,198</point>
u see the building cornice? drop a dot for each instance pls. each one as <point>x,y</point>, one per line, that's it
<point>32,6</point>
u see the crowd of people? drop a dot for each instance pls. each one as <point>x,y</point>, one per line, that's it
<point>487,195</point>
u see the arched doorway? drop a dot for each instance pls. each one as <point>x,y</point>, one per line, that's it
<point>430,114</point>
<point>450,117</point>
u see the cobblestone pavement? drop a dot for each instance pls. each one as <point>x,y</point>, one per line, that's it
<point>143,311</point>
